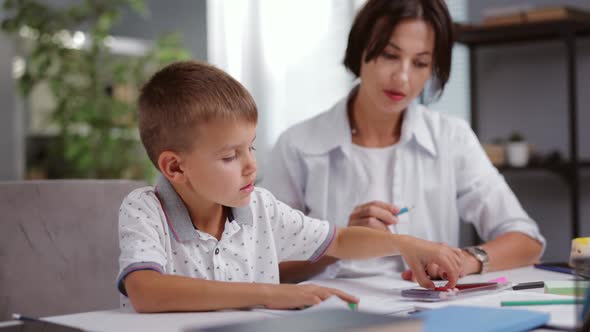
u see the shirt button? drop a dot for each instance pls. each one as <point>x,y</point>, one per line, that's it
<point>216,251</point>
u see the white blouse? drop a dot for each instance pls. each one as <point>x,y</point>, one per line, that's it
<point>439,167</point>
<point>377,164</point>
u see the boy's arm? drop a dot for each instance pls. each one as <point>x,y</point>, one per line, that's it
<point>150,291</point>
<point>363,243</point>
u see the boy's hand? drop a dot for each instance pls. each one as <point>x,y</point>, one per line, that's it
<point>424,257</point>
<point>286,296</point>
<point>377,215</point>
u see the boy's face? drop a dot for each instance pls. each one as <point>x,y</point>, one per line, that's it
<point>221,167</point>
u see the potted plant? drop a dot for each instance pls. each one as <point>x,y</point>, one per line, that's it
<point>517,150</point>
<point>496,152</point>
<point>92,121</point>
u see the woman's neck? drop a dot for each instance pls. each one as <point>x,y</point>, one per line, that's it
<point>370,127</point>
<point>205,216</point>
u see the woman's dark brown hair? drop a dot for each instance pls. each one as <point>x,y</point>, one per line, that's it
<point>374,23</point>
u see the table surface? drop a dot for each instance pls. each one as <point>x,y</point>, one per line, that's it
<point>370,290</point>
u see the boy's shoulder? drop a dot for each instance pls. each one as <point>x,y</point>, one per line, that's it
<point>260,199</point>
<point>141,202</point>
<point>263,199</point>
<point>146,201</point>
<point>145,194</point>
<point>262,194</point>
<point>262,203</point>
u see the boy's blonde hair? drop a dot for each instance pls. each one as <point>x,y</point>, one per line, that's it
<point>184,95</point>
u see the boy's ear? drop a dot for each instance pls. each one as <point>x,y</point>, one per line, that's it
<point>169,164</point>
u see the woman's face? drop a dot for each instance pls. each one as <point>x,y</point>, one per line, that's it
<point>397,76</point>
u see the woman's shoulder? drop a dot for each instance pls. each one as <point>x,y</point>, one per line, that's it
<point>442,119</point>
<point>443,124</point>
<point>319,133</point>
<point>321,120</point>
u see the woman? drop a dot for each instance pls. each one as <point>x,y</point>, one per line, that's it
<point>378,150</point>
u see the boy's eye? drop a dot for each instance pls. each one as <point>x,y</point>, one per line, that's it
<point>228,159</point>
<point>252,148</point>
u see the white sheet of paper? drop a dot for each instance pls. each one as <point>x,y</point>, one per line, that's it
<point>375,294</point>
<point>379,305</point>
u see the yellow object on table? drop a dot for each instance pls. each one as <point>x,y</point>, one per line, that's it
<point>580,256</point>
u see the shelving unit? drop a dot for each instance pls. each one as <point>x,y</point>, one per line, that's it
<point>566,30</point>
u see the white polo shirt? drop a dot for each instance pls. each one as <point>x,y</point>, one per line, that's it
<point>156,233</point>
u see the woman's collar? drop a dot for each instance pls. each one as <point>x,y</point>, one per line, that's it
<point>334,130</point>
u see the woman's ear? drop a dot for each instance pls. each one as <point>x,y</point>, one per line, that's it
<point>169,163</point>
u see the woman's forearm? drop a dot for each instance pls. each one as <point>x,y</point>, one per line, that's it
<point>363,243</point>
<point>298,271</point>
<point>511,250</point>
<point>350,243</point>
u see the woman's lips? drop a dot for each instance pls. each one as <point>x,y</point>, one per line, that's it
<point>394,95</point>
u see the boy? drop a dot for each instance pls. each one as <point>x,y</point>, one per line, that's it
<point>204,238</point>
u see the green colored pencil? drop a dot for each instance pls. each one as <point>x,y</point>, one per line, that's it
<point>541,302</point>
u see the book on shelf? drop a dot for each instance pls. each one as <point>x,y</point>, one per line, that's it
<point>556,13</point>
<point>518,15</point>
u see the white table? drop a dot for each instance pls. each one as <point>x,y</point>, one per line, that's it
<point>364,288</point>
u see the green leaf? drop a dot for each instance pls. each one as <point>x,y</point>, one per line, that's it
<point>105,22</point>
<point>139,7</point>
<point>9,4</point>
<point>97,133</point>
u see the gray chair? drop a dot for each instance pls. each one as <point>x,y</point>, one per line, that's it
<point>59,245</point>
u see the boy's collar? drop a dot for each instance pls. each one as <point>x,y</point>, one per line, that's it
<point>178,218</point>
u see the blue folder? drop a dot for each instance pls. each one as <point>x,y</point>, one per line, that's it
<point>481,319</point>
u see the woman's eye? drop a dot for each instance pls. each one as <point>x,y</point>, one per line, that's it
<point>252,148</point>
<point>422,64</point>
<point>389,56</point>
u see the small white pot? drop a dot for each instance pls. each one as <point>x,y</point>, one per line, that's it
<point>517,154</point>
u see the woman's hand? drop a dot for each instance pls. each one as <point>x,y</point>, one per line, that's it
<point>469,265</point>
<point>433,271</point>
<point>377,215</point>
<point>284,296</point>
<point>425,257</point>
